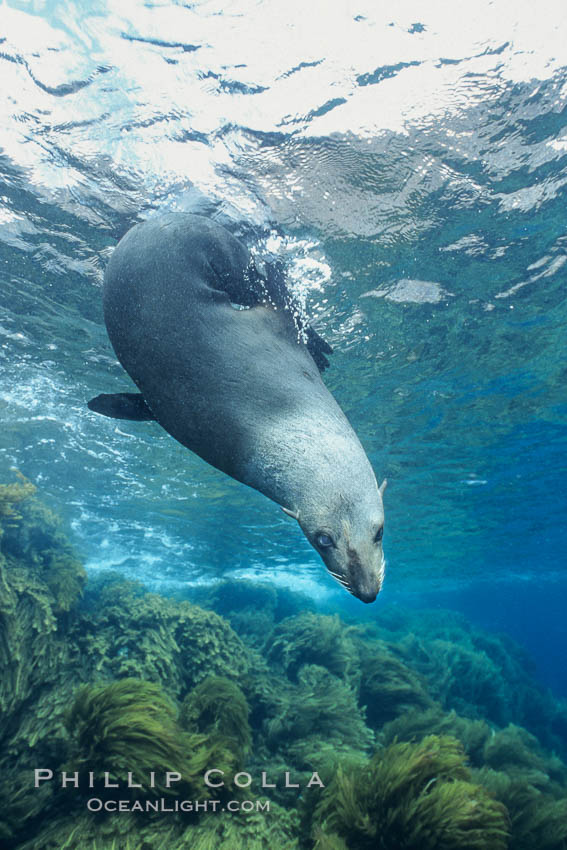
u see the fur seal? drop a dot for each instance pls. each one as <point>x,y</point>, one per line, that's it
<point>225,365</point>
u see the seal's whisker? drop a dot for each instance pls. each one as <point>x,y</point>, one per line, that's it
<point>382,570</point>
<point>340,580</point>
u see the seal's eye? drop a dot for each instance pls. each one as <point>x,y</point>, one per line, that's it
<point>379,534</point>
<point>324,540</point>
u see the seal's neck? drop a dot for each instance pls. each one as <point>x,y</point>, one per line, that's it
<point>307,461</point>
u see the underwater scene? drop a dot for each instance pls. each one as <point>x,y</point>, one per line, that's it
<point>258,256</point>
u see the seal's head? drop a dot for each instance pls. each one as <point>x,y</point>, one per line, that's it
<point>352,547</point>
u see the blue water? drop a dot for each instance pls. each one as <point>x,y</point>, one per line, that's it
<point>409,163</point>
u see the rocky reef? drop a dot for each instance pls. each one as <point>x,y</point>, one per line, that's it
<point>417,732</point>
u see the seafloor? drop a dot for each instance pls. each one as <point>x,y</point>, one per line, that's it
<point>426,733</point>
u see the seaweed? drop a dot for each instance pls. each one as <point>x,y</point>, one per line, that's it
<point>40,584</point>
<point>388,687</point>
<point>314,753</point>
<point>22,804</point>
<point>465,679</point>
<point>32,534</point>
<point>128,632</point>
<point>538,817</point>
<point>477,674</point>
<point>249,607</point>
<point>314,639</point>
<point>249,831</point>
<point>252,608</point>
<point>12,495</point>
<point>320,704</point>
<point>410,796</point>
<point>131,726</point>
<point>276,830</point>
<point>415,725</point>
<point>88,832</point>
<point>329,841</point>
<point>305,726</point>
<point>218,705</point>
<point>518,753</point>
<point>315,700</point>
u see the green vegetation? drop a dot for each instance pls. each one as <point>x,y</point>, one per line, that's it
<point>131,726</point>
<point>41,581</point>
<point>388,687</point>
<point>252,831</point>
<point>217,705</point>
<point>112,679</point>
<point>538,815</point>
<point>10,496</point>
<point>411,797</point>
<point>128,632</point>
<point>314,639</point>
<point>321,704</point>
<point>416,724</point>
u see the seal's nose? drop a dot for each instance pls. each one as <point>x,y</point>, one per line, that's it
<point>367,596</point>
<point>363,582</point>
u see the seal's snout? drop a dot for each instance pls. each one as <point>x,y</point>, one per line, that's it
<point>365,573</point>
<point>367,596</point>
<point>368,589</point>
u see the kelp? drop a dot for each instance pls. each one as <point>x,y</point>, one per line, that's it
<point>314,639</point>
<point>388,687</point>
<point>305,726</point>
<point>314,753</point>
<point>11,495</point>
<point>22,804</point>
<point>538,816</point>
<point>218,706</point>
<point>416,724</point>
<point>32,535</point>
<point>252,608</point>
<point>479,675</point>
<point>315,699</point>
<point>320,703</point>
<point>128,632</point>
<point>131,726</point>
<point>329,841</point>
<point>410,797</point>
<point>274,830</point>
<point>518,753</point>
<point>83,831</point>
<point>464,679</point>
<point>40,584</point>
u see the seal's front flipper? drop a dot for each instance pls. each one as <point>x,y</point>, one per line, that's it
<point>121,406</point>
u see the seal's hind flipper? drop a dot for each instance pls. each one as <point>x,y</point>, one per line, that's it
<point>318,348</point>
<point>272,287</point>
<point>121,406</point>
<point>265,282</point>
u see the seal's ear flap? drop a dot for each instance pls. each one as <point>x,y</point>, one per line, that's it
<point>383,486</point>
<point>290,513</point>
